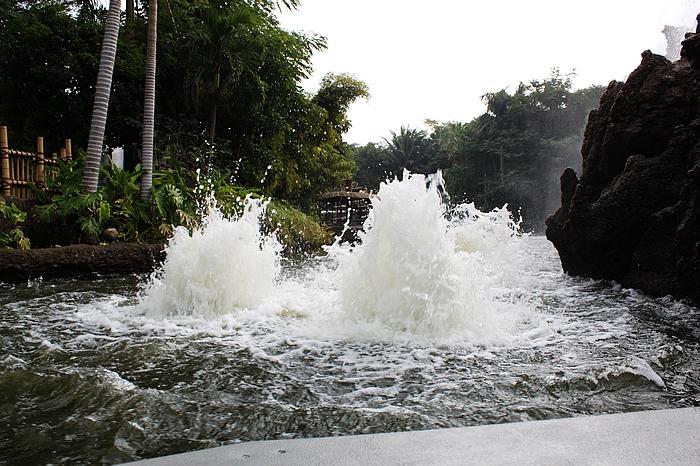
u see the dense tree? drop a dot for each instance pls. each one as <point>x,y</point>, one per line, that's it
<point>226,70</point>
<point>270,134</point>
<point>511,154</point>
<point>374,165</point>
<point>410,149</point>
<point>515,151</point>
<point>336,93</point>
<point>48,68</point>
<point>221,56</point>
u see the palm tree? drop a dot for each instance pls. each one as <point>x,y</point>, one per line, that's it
<point>102,90</point>
<point>408,149</point>
<point>149,103</point>
<point>220,58</point>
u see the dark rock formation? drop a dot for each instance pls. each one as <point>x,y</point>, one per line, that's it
<point>634,214</point>
<point>79,261</point>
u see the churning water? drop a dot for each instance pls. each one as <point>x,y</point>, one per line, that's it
<point>437,319</point>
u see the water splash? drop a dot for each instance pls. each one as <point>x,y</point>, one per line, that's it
<point>224,266</point>
<point>440,318</point>
<point>419,270</point>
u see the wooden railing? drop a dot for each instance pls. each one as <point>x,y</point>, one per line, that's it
<point>21,169</point>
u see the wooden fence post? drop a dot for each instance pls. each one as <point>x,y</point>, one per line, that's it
<point>69,151</point>
<point>5,161</point>
<point>40,162</point>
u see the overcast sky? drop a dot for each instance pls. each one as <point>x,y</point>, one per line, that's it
<point>435,59</point>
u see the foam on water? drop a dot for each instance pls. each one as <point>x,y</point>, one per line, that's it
<point>415,272</point>
<point>225,266</point>
<point>175,369</point>
<point>437,319</point>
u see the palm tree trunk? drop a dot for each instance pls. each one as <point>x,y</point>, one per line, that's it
<point>212,123</point>
<point>130,12</point>
<point>102,90</point>
<point>503,169</point>
<point>212,116</point>
<point>149,103</point>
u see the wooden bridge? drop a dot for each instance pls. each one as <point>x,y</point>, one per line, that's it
<point>345,210</point>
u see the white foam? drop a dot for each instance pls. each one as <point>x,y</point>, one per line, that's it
<point>639,366</point>
<point>226,266</point>
<point>419,271</point>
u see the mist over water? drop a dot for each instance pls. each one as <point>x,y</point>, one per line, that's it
<point>441,317</point>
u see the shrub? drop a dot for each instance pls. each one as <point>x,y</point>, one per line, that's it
<point>14,239</point>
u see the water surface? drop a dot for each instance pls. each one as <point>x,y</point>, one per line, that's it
<point>436,321</point>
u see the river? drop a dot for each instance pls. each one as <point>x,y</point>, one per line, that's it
<point>437,319</point>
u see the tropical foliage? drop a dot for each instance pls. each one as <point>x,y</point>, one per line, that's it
<point>227,86</point>
<point>14,238</point>
<point>230,109</point>
<point>68,215</point>
<point>511,154</point>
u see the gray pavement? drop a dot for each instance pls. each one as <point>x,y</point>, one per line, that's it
<point>670,437</point>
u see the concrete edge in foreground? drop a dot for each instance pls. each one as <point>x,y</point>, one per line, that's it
<point>642,438</point>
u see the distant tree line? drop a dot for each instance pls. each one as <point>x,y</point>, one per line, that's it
<point>513,153</point>
<point>228,89</point>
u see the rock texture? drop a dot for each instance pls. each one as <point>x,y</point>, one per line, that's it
<point>78,261</point>
<point>634,214</point>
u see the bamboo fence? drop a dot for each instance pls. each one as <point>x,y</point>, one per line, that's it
<point>22,169</point>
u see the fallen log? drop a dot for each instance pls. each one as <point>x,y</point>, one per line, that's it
<point>79,261</point>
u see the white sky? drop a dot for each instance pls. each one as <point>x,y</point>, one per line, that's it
<point>434,59</point>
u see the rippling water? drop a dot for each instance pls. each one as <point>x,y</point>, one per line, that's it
<point>475,326</point>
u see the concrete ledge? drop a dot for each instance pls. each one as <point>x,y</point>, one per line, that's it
<point>641,438</point>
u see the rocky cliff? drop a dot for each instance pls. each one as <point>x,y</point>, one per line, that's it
<point>634,214</point>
